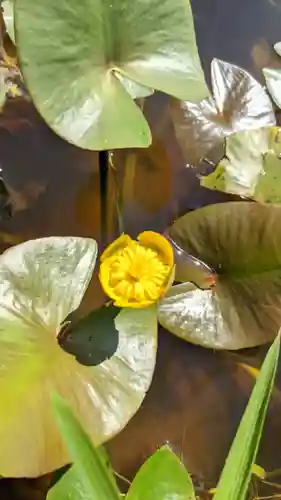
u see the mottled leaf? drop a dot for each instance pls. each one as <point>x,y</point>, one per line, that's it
<point>238,103</point>
<point>241,241</point>
<point>71,71</point>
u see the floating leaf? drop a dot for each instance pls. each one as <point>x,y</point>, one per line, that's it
<point>135,90</point>
<point>162,477</point>
<point>8,15</point>
<point>42,282</point>
<point>71,70</point>
<point>243,162</point>
<point>89,478</point>
<point>273,79</point>
<point>241,241</point>
<point>238,103</point>
<point>236,475</point>
<point>251,168</point>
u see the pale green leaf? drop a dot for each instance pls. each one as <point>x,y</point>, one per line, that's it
<point>251,167</point>
<point>8,15</point>
<point>236,475</point>
<point>273,82</point>
<point>273,79</point>
<point>42,281</point>
<point>135,90</point>
<point>71,70</point>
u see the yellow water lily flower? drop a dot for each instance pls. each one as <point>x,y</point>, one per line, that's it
<point>137,273</point>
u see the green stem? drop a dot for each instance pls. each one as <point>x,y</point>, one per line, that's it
<point>104,166</point>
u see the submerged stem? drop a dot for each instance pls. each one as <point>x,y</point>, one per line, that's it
<point>104,166</point>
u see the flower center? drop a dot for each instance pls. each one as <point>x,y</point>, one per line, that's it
<point>138,273</point>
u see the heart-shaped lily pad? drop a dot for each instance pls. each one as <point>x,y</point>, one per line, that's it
<point>239,102</point>
<point>241,241</point>
<point>70,53</point>
<point>42,282</point>
<point>251,167</point>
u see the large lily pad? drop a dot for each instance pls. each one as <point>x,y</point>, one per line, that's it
<point>238,103</point>
<point>71,70</point>
<point>241,241</point>
<point>251,167</point>
<point>42,282</point>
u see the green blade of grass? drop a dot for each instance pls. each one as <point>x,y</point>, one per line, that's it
<point>236,475</point>
<point>90,466</point>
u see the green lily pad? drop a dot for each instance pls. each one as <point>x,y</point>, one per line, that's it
<point>8,15</point>
<point>42,282</point>
<point>252,166</point>
<point>238,102</point>
<point>135,90</point>
<point>241,241</point>
<point>71,70</point>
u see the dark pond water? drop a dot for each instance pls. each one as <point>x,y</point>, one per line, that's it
<point>197,396</point>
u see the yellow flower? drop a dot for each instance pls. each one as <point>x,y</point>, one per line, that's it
<point>137,273</point>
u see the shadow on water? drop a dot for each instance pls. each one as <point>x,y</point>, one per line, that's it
<point>197,396</point>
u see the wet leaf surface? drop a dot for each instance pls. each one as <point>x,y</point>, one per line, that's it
<point>238,102</point>
<point>240,242</point>
<point>251,167</point>
<point>43,281</point>
<point>97,112</point>
<point>273,79</point>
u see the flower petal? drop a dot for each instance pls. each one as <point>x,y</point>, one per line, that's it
<point>118,244</point>
<point>158,243</point>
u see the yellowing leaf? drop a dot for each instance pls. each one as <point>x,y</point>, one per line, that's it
<point>42,282</point>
